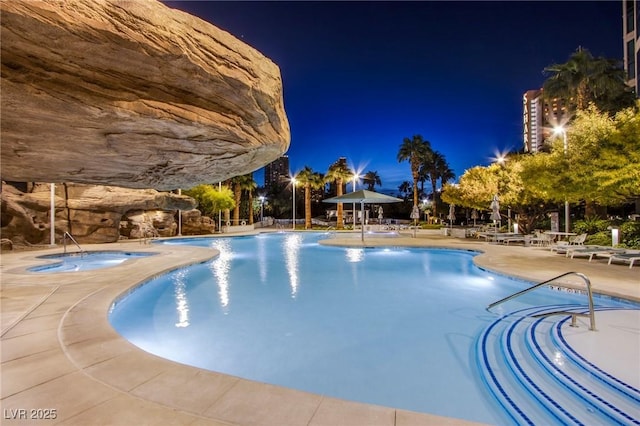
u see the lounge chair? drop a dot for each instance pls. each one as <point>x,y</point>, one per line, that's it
<point>513,239</point>
<point>562,247</point>
<point>541,239</point>
<point>577,240</point>
<point>626,257</point>
<point>592,251</point>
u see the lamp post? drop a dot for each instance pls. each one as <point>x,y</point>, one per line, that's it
<point>52,215</point>
<point>262,210</point>
<point>179,216</point>
<point>293,182</point>
<point>557,131</point>
<point>355,179</point>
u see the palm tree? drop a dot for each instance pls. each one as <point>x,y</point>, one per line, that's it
<point>248,184</point>
<point>405,188</point>
<point>310,180</point>
<point>414,150</point>
<point>435,166</point>
<point>339,173</point>
<point>584,79</point>
<point>240,183</point>
<point>371,179</point>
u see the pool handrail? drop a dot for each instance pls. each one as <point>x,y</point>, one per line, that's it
<point>591,314</point>
<point>64,242</point>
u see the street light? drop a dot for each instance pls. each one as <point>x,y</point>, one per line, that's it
<point>355,179</point>
<point>262,210</point>
<point>557,131</point>
<point>293,182</point>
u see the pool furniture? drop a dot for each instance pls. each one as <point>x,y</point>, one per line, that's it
<point>592,252</point>
<point>517,238</point>
<point>626,257</point>
<point>541,239</point>
<point>563,245</point>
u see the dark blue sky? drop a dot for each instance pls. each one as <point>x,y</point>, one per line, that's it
<point>360,76</point>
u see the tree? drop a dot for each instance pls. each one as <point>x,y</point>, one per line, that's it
<point>210,199</point>
<point>415,151</point>
<point>602,163</point>
<point>249,185</point>
<point>339,174</point>
<point>584,79</point>
<point>371,179</point>
<point>478,185</point>
<point>310,180</point>
<point>433,167</point>
<point>405,189</point>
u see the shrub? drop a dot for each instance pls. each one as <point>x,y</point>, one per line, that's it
<point>630,234</point>
<point>602,238</point>
<point>590,225</point>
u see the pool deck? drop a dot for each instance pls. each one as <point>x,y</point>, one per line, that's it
<point>60,353</point>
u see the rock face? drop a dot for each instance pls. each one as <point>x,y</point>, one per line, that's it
<point>132,94</point>
<point>92,214</point>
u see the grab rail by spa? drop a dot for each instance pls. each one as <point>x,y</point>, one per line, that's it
<point>64,242</point>
<point>591,314</point>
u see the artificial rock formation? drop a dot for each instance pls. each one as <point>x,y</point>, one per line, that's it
<point>92,214</point>
<point>132,94</point>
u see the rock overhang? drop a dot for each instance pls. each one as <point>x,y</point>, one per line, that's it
<point>132,94</point>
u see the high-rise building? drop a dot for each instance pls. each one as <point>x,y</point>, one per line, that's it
<point>630,18</point>
<point>540,117</point>
<point>532,120</point>
<point>276,171</point>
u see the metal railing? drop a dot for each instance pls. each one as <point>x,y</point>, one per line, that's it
<point>64,242</point>
<point>591,315</point>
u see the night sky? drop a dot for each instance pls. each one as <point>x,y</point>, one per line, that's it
<point>360,76</point>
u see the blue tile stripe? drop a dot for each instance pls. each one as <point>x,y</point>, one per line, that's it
<point>508,352</point>
<point>629,390</point>
<point>554,407</point>
<point>590,397</point>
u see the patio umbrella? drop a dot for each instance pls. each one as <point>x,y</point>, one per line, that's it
<point>452,214</point>
<point>474,216</point>
<point>415,215</point>
<point>380,214</point>
<point>495,208</point>
<point>363,196</point>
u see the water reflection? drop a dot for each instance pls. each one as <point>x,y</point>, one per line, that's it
<point>262,259</point>
<point>355,255</point>
<point>182,302</point>
<point>292,244</point>
<point>221,268</point>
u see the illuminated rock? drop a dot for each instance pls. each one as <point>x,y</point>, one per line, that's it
<point>132,94</point>
<point>93,214</point>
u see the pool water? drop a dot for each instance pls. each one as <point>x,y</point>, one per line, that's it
<point>85,261</point>
<point>397,327</point>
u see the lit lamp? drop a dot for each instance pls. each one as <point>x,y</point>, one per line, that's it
<point>262,209</point>
<point>614,237</point>
<point>355,179</point>
<point>293,182</point>
<point>560,130</point>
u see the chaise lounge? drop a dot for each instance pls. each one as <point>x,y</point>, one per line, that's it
<point>626,257</point>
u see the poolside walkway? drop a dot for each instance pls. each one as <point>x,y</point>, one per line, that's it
<point>62,360</point>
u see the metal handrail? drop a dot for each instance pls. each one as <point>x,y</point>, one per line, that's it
<point>64,242</point>
<point>591,314</point>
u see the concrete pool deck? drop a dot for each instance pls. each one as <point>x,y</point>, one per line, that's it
<point>60,353</point>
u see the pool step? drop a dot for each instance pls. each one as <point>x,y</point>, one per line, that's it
<point>538,379</point>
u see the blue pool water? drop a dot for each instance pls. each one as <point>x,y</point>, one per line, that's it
<point>398,327</point>
<point>85,261</point>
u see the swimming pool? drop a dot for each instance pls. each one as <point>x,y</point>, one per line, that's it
<point>398,327</point>
<point>85,261</point>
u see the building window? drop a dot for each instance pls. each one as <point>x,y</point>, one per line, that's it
<point>631,16</point>
<point>631,56</point>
